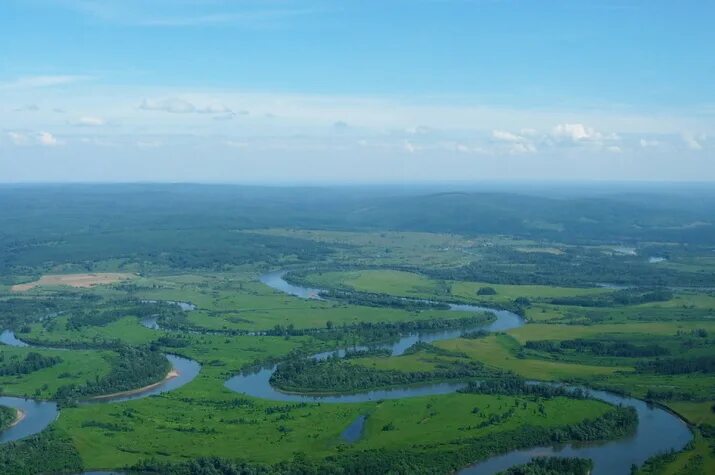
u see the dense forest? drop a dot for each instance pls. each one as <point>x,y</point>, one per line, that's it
<point>381,300</point>
<point>7,416</point>
<point>552,466</point>
<point>598,348</point>
<point>32,362</point>
<point>516,386</point>
<point>575,266</point>
<point>85,223</point>
<point>50,451</point>
<point>338,375</point>
<point>701,364</point>
<point>634,296</point>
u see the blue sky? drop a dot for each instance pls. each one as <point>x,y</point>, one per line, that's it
<point>356,90</point>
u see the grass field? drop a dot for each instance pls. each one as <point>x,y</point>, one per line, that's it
<point>498,351</point>
<point>565,332</point>
<point>73,280</point>
<point>409,284</point>
<point>194,422</point>
<point>75,367</point>
<point>127,329</point>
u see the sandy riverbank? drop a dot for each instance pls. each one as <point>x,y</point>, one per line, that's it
<point>170,375</point>
<point>18,417</point>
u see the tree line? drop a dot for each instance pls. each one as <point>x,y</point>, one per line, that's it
<point>32,362</point>
<point>552,466</point>
<point>597,347</point>
<point>699,364</point>
<point>618,298</point>
<point>513,385</point>
<point>337,375</point>
<point>134,367</point>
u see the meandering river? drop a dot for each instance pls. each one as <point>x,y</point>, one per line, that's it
<point>658,430</point>
<point>39,414</point>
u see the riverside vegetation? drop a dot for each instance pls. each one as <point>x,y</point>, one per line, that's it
<point>389,266</point>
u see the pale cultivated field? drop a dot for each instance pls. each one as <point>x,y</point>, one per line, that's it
<point>74,280</point>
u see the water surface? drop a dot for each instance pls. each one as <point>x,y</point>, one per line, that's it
<point>38,415</point>
<point>7,337</point>
<point>353,432</point>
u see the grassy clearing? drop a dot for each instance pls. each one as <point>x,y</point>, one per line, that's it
<point>499,351</point>
<point>566,332</point>
<point>453,416</point>
<point>696,412</point>
<point>127,330</point>
<point>75,367</point>
<point>409,284</point>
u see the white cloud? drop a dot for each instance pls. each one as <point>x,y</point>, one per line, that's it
<point>180,106</point>
<point>47,139</point>
<point>419,130</point>
<point>646,143</point>
<point>505,136</point>
<point>614,149</point>
<point>409,147</point>
<point>514,144</point>
<point>575,133</point>
<point>90,121</point>
<point>30,138</point>
<point>521,148</point>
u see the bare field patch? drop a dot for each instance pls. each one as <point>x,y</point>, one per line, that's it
<point>74,280</point>
<point>543,250</point>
